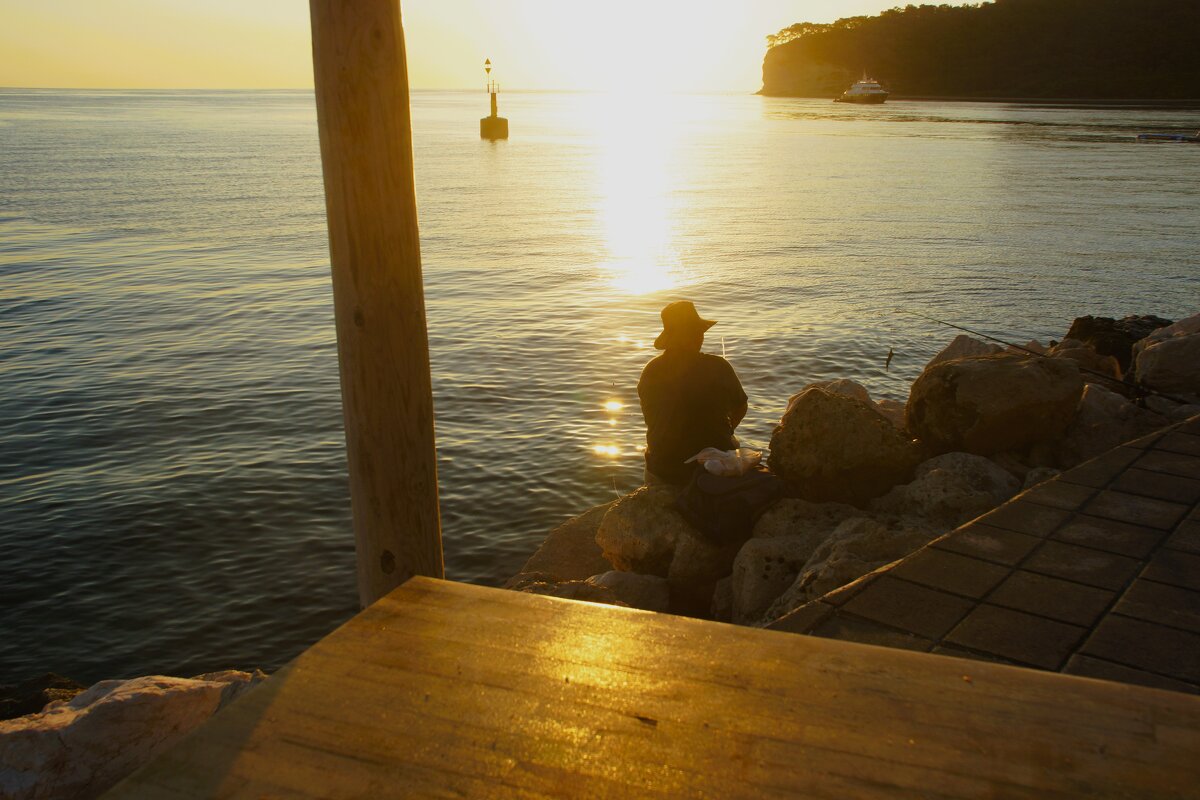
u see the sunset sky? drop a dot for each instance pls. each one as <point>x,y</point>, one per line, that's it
<point>713,45</point>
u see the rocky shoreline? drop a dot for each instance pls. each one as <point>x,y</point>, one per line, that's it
<point>871,481</point>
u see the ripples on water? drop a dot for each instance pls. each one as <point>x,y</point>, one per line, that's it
<point>172,482</point>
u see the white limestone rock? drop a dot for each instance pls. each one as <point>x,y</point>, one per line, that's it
<point>81,747</point>
<point>648,592</point>
<point>722,602</point>
<point>842,386</point>
<point>1103,420</point>
<point>638,533</point>
<point>570,551</point>
<point>1168,360</point>
<point>892,411</point>
<point>765,568</point>
<point>857,547</point>
<point>949,490</point>
<point>832,447</point>
<point>1099,366</point>
<point>993,404</point>
<point>696,567</point>
<point>792,516</point>
<point>963,346</point>
<point>1038,475</point>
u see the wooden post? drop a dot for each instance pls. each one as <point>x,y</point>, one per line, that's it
<point>383,348</point>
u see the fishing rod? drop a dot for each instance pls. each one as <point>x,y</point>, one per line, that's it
<point>1142,389</point>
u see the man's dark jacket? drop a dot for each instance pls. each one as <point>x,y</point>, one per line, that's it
<point>689,400</point>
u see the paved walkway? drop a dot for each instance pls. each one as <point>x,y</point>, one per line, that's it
<point>1094,573</point>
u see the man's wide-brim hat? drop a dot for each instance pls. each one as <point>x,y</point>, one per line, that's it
<point>680,319</point>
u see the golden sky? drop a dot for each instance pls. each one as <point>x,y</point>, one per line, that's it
<point>675,45</point>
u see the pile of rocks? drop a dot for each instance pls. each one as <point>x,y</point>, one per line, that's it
<point>872,481</point>
<point>82,746</point>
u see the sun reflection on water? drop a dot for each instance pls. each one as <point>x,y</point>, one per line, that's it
<point>634,189</point>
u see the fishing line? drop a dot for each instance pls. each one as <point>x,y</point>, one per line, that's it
<point>1141,389</point>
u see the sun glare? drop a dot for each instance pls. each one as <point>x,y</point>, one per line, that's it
<point>634,191</point>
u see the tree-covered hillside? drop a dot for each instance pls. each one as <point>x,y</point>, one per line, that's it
<point>1085,49</point>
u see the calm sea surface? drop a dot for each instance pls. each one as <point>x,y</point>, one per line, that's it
<point>173,494</point>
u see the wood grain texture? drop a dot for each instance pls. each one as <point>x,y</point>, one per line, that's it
<point>450,690</point>
<point>366,153</point>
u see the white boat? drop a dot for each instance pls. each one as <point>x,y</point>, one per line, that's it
<point>865,91</point>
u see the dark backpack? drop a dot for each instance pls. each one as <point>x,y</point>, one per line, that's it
<point>724,509</point>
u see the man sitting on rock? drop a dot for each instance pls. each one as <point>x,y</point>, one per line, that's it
<point>690,400</point>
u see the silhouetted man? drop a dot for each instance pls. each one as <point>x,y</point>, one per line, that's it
<point>690,400</point>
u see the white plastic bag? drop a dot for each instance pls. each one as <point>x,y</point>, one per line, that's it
<point>728,463</point>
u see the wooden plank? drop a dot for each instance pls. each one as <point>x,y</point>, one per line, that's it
<point>379,305</point>
<point>446,689</point>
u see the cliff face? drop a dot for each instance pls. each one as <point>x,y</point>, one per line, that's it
<point>1087,49</point>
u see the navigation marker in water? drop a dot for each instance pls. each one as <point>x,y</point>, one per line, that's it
<point>492,127</point>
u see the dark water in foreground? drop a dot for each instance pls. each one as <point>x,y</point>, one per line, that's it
<point>172,488</point>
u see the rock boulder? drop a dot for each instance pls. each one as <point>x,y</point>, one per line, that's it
<point>695,569</point>
<point>639,531</point>
<point>33,695</point>
<point>963,346</point>
<point>1103,420</point>
<point>857,547</point>
<point>1113,337</point>
<point>795,517</point>
<point>949,490</point>
<point>1095,365</point>
<point>648,592</point>
<point>570,551</point>
<point>832,447</point>
<point>83,746</point>
<point>993,403</point>
<point>764,569</point>
<point>1168,360</point>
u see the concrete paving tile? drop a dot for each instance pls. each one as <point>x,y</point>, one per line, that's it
<point>1108,534</point>
<point>1136,509</point>
<point>1146,646</point>
<point>804,618</point>
<point>991,544</point>
<point>1170,463</point>
<point>909,607</point>
<point>1146,441</point>
<point>1059,494</point>
<point>1083,565</point>
<point>850,628</point>
<point>1186,536</point>
<point>1089,667</point>
<point>1102,469</point>
<point>1174,567</point>
<point>962,652</point>
<point>1191,426</point>
<point>1055,598</point>
<point>1159,485</point>
<point>1180,442</point>
<point>1023,517</point>
<point>1021,637</point>
<point>1161,603</point>
<point>950,572</point>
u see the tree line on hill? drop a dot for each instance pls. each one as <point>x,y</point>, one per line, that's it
<point>1080,49</point>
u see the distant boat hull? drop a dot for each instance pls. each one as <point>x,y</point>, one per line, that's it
<point>866,99</point>
<point>1167,137</point>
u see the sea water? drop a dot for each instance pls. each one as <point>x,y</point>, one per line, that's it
<point>173,492</point>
